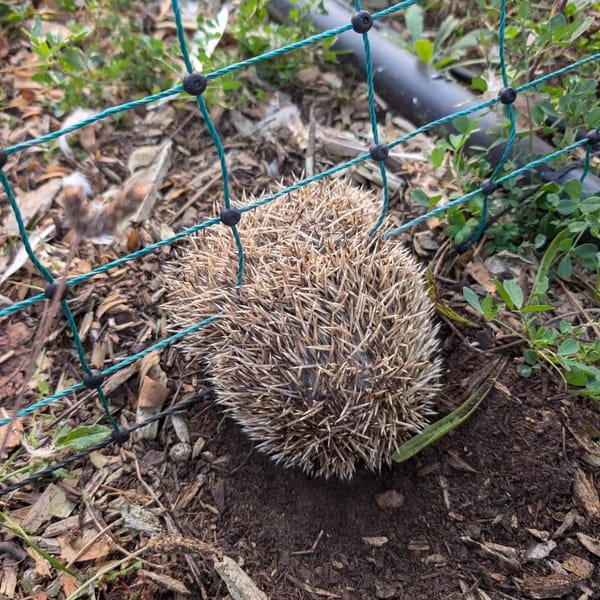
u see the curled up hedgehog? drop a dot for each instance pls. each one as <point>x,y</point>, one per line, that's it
<point>327,354</point>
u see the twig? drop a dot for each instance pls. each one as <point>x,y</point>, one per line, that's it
<point>40,338</point>
<point>310,144</point>
<point>575,302</point>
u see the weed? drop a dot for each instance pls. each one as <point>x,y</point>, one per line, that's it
<point>572,350</point>
<point>101,54</point>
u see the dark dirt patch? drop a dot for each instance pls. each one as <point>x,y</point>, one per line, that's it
<point>507,470</point>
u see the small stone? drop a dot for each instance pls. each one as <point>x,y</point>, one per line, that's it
<point>180,452</point>
<point>377,541</point>
<point>390,499</point>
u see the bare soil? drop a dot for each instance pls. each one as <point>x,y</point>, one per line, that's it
<point>506,477</point>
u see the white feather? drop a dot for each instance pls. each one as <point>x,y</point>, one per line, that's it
<point>78,180</point>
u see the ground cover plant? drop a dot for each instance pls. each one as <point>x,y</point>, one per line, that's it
<point>506,506</point>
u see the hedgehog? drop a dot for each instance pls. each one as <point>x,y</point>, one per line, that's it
<point>327,354</point>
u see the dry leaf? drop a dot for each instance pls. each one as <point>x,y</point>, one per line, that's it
<point>586,494</point>
<point>21,257</point>
<point>578,566</point>
<point>70,583</point>
<point>52,503</point>
<point>556,585</point>
<point>152,394</point>
<point>42,566</point>
<point>589,543</point>
<point>479,272</point>
<point>14,428</point>
<point>32,206</point>
<point>88,546</point>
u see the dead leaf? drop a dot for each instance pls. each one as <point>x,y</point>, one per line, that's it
<point>70,583</point>
<point>586,493</point>
<point>21,257</point>
<point>149,174</point>
<point>578,566</point>
<point>152,394</point>
<point>52,503</point>
<point>32,206</point>
<point>589,543</point>
<point>14,428</point>
<point>87,546</point>
<point>479,272</point>
<point>556,585</point>
<point>42,566</point>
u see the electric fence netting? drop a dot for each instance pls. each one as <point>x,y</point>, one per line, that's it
<point>59,292</point>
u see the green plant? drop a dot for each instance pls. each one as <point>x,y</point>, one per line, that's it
<point>566,347</point>
<point>252,34</point>
<point>538,39</point>
<point>79,65</point>
<point>452,41</point>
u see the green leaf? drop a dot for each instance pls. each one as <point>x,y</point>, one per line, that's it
<point>424,50</point>
<point>451,421</point>
<point>513,289</point>
<point>530,357</point>
<point>573,188</point>
<point>524,371</point>
<point>472,299</point>
<point>567,206</point>
<point>588,254</point>
<point>568,347</point>
<point>540,285</point>
<point>446,29</point>
<point>83,437</point>
<point>462,124</point>
<point>437,156</point>
<point>489,307</point>
<point>504,294</point>
<point>413,16</point>
<point>535,308</point>
<point>565,267</point>
<point>419,197</point>
<point>479,83</point>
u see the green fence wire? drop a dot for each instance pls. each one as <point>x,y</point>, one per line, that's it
<point>195,83</point>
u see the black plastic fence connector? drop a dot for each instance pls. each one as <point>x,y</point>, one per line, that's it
<point>362,21</point>
<point>194,83</point>
<point>379,152</point>
<point>230,216</point>
<point>120,435</point>
<point>51,289</point>
<point>507,95</point>
<point>489,187</point>
<point>593,137</point>
<point>93,380</point>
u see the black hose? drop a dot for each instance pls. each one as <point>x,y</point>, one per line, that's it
<point>421,94</point>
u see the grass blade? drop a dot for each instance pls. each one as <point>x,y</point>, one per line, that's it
<point>451,421</point>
